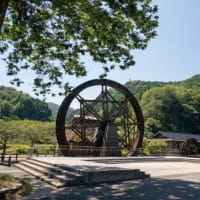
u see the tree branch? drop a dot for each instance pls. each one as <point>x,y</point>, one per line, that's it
<point>3,9</point>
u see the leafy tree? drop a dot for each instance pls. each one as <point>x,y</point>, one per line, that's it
<point>29,108</point>
<point>26,132</point>
<point>6,109</point>
<point>190,117</point>
<point>51,37</point>
<point>162,105</point>
<point>35,132</point>
<point>7,133</point>
<point>172,108</point>
<point>151,126</point>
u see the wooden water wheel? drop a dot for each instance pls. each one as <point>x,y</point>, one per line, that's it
<point>108,118</point>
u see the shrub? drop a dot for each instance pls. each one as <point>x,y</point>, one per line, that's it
<point>27,188</point>
<point>17,148</point>
<point>22,150</point>
<point>155,147</point>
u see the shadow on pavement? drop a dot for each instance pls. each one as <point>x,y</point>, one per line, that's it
<point>148,189</point>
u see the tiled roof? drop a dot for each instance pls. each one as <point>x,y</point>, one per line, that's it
<point>176,135</point>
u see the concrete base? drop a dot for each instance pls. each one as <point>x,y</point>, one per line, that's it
<point>70,171</point>
<point>82,170</point>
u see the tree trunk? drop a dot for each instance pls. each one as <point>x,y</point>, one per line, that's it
<point>3,9</point>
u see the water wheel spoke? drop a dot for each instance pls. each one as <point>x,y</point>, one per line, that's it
<point>117,112</point>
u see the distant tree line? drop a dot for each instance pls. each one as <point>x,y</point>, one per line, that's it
<point>17,105</point>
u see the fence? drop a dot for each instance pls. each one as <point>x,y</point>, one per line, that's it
<point>87,151</point>
<point>8,159</point>
<point>42,150</point>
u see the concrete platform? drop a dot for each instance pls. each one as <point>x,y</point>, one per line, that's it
<point>155,166</point>
<point>71,171</point>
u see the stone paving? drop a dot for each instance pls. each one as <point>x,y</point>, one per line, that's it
<point>171,178</point>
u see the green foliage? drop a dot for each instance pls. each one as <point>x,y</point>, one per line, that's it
<point>25,132</point>
<point>8,131</point>
<point>151,126</point>
<point>27,188</point>
<point>17,105</point>
<point>17,148</point>
<point>192,82</point>
<point>154,147</point>
<point>22,149</point>
<point>139,87</point>
<point>7,181</point>
<point>46,149</point>
<point>124,152</point>
<point>51,37</point>
<point>6,177</point>
<point>172,108</point>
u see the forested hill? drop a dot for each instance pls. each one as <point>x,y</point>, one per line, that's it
<point>191,82</point>
<point>139,87</point>
<point>17,105</point>
<point>172,106</point>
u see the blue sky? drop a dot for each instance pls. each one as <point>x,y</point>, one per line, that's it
<point>173,55</point>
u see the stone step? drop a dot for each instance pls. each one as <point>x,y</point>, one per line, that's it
<point>54,182</point>
<point>54,168</point>
<point>114,175</point>
<point>41,164</point>
<point>63,175</point>
<point>105,175</point>
<point>36,168</point>
<point>61,166</point>
<point>56,177</point>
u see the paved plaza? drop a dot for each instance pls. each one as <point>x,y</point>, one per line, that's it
<point>171,178</point>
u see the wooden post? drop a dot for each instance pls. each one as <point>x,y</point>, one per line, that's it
<point>16,158</point>
<point>9,161</point>
<point>2,157</point>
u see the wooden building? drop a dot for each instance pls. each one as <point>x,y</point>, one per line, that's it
<point>185,143</point>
